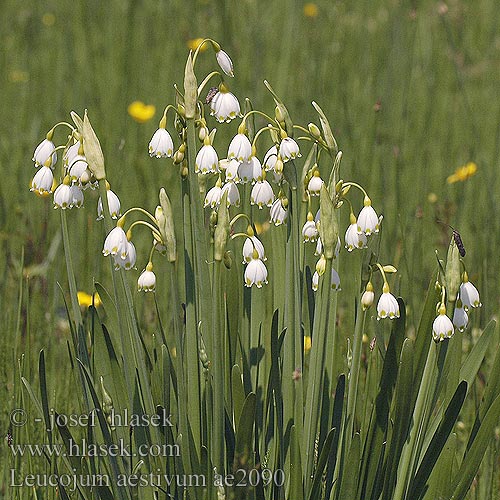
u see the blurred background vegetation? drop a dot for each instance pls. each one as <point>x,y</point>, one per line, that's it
<point>411,88</point>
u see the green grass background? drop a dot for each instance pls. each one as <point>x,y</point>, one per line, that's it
<point>434,76</point>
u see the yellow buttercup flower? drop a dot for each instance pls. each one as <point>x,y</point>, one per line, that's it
<point>462,173</point>
<point>194,42</point>
<point>310,10</point>
<point>85,300</point>
<point>141,112</point>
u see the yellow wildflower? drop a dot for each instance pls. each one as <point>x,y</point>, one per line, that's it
<point>48,19</point>
<point>310,10</point>
<point>307,344</point>
<point>194,42</point>
<point>462,173</point>
<point>141,112</point>
<point>85,300</point>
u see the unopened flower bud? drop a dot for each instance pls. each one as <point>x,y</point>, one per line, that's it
<point>314,130</point>
<point>368,296</point>
<point>228,260</point>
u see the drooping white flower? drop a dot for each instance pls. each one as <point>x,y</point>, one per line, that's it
<point>116,243</point>
<point>278,213</point>
<point>368,296</point>
<point>289,149</point>
<point>224,62</point>
<point>251,243</point>
<point>460,317</point>
<point>240,148</point>
<point>76,167</point>
<point>315,183</point>
<point>309,230</point>
<point>113,203</point>
<point>43,152</point>
<point>224,106</point>
<point>71,153</point>
<point>368,221</point>
<point>315,281</point>
<point>161,144</point>
<point>147,280</point>
<point>469,294</point>
<point>255,273</point>
<point>233,195</point>
<point>250,170</point>
<point>270,158</point>
<point>214,195</point>
<point>207,160</point>
<point>63,197</point>
<point>129,261</point>
<point>335,281</point>
<point>353,239</point>
<point>76,196</point>
<point>387,306</point>
<point>231,170</point>
<point>42,181</point>
<point>442,328</point>
<point>262,194</point>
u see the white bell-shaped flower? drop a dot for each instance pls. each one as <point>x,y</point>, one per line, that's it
<point>224,106</point>
<point>45,154</point>
<point>387,306</point>
<point>116,243</point>
<point>335,281</point>
<point>76,168</point>
<point>315,281</point>
<point>113,203</point>
<point>289,149</point>
<point>76,196</point>
<point>270,158</point>
<point>212,198</point>
<point>71,153</point>
<point>231,171</point>
<point>278,213</point>
<point>42,181</point>
<point>353,239</point>
<point>368,221</point>
<point>224,62</point>
<point>262,194</point>
<point>129,261</point>
<point>255,272</point>
<point>147,280</point>
<point>469,294</point>
<point>309,230</point>
<point>315,183</point>
<point>460,316</point>
<point>161,144</point>
<point>250,171</point>
<point>251,243</point>
<point>63,197</point>
<point>207,160</point>
<point>233,195</point>
<point>442,328</point>
<point>240,148</point>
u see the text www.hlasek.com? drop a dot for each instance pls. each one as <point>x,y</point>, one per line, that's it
<point>73,449</point>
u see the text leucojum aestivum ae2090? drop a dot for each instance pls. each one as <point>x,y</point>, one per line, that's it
<point>253,366</point>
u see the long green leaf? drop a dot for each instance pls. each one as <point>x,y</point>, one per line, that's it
<point>418,485</point>
<point>470,464</point>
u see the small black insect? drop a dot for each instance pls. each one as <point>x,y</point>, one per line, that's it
<point>211,94</point>
<point>457,238</point>
<point>459,242</point>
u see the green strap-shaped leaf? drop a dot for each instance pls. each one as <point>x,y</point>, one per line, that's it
<point>418,484</point>
<point>350,476</point>
<point>472,460</point>
<point>296,487</point>
<point>323,459</point>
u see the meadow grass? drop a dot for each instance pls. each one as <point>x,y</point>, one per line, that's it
<point>411,92</point>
